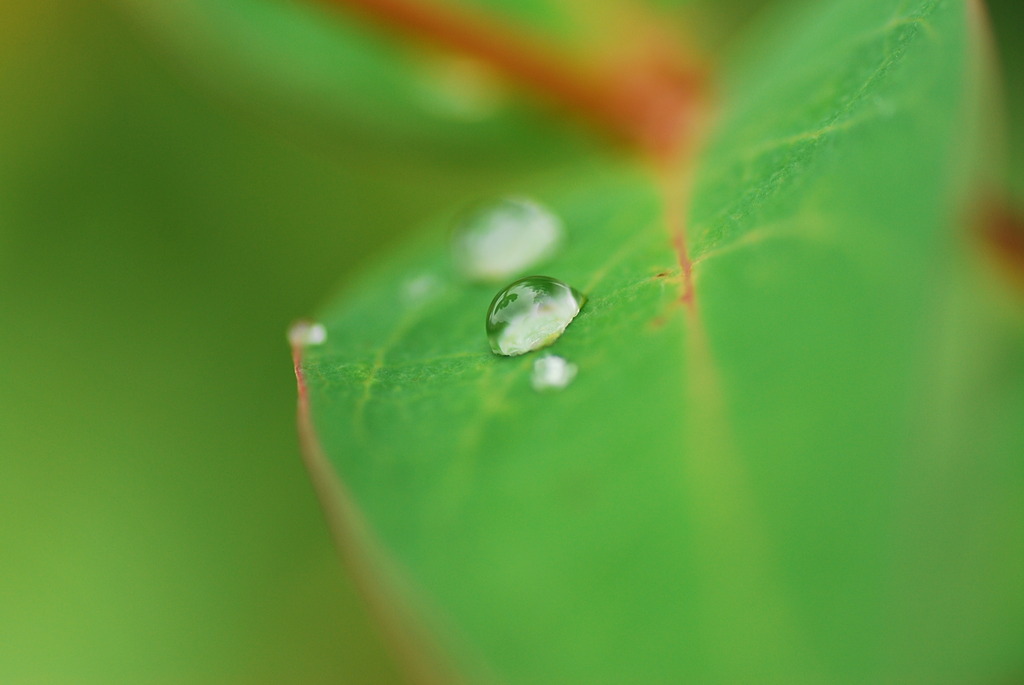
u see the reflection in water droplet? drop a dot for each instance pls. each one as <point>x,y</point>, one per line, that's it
<point>531,313</point>
<point>303,333</point>
<point>501,240</point>
<point>552,372</point>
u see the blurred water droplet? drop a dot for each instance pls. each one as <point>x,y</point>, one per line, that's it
<point>502,240</point>
<point>304,333</point>
<point>531,313</point>
<point>552,372</point>
<point>421,289</point>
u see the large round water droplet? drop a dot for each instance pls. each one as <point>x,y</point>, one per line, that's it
<point>530,314</point>
<point>498,241</point>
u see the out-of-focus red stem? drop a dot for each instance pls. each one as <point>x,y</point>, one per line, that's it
<point>1002,229</point>
<point>646,104</point>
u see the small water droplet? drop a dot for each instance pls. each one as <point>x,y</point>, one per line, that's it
<point>498,241</point>
<point>552,372</point>
<point>304,333</point>
<point>531,313</point>
<point>421,289</point>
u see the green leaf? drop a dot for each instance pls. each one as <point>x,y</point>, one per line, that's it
<point>332,76</point>
<point>806,469</point>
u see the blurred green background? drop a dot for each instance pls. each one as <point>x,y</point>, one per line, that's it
<point>156,238</point>
<point>157,524</point>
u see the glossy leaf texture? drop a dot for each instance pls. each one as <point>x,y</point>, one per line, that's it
<point>806,469</point>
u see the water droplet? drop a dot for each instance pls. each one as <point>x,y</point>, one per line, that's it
<point>552,372</point>
<point>501,240</point>
<point>421,289</point>
<point>531,313</point>
<point>304,333</point>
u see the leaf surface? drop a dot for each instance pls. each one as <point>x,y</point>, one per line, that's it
<point>799,457</point>
<point>331,73</point>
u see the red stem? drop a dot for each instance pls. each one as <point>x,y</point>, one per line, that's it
<point>1002,230</point>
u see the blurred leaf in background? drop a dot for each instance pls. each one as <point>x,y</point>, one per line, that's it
<point>179,180</point>
<point>157,526</point>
